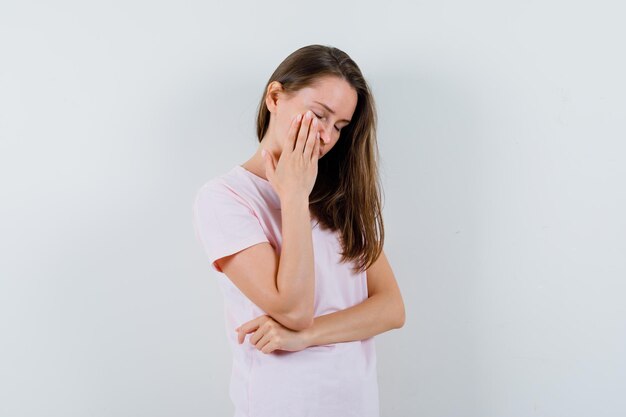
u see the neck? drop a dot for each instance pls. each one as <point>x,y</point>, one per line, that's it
<point>256,163</point>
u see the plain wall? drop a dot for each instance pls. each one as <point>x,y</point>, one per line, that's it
<point>501,132</point>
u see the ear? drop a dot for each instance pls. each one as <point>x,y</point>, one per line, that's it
<point>274,89</point>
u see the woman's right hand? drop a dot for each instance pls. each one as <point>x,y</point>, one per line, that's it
<point>295,173</point>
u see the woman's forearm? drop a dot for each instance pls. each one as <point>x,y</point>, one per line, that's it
<point>377,314</point>
<point>295,281</point>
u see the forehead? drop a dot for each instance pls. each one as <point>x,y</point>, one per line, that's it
<point>327,87</point>
<point>332,91</point>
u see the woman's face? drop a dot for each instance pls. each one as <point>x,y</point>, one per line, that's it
<point>331,99</point>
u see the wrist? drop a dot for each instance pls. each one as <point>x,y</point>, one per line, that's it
<point>297,201</point>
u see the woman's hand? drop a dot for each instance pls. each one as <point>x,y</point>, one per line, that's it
<point>296,170</point>
<point>270,335</point>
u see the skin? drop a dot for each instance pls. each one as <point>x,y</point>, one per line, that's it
<point>383,310</point>
<point>335,92</point>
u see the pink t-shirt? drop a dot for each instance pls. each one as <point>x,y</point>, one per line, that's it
<point>237,210</point>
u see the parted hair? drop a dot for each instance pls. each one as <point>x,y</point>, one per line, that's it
<point>347,195</point>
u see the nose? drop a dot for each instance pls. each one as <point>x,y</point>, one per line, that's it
<point>324,135</point>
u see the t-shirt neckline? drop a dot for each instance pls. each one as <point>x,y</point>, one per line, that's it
<point>263,183</point>
<point>266,184</point>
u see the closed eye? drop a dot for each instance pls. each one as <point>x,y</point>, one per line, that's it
<point>320,117</point>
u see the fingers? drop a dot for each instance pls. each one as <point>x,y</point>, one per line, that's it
<point>264,338</point>
<point>303,133</point>
<point>251,326</point>
<point>312,139</point>
<point>269,348</point>
<point>248,327</point>
<point>260,344</point>
<point>291,135</point>
<point>316,150</point>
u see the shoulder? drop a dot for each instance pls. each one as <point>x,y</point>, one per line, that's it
<point>228,184</point>
<point>225,193</point>
<point>216,193</point>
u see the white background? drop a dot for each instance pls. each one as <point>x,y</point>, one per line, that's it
<point>502,141</point>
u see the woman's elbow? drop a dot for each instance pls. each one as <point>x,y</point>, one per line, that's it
<point>400,315</point>
<point>303,324</point>
<point>296,320</point>
<point>401,320</point>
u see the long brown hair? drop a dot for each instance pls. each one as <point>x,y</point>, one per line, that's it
<point>347,192</point>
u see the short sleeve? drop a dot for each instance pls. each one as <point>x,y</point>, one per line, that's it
<point>224,222</point>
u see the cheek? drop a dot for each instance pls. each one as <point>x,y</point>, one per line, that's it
<point>285,125</point>
<point>329,146</point>
<point>286,122</point>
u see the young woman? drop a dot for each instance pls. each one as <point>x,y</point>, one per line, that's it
<point>296,233</point>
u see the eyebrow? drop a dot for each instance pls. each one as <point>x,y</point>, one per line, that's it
<point>330,110</point>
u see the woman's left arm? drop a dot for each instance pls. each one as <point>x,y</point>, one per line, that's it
<point>383,310</point>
